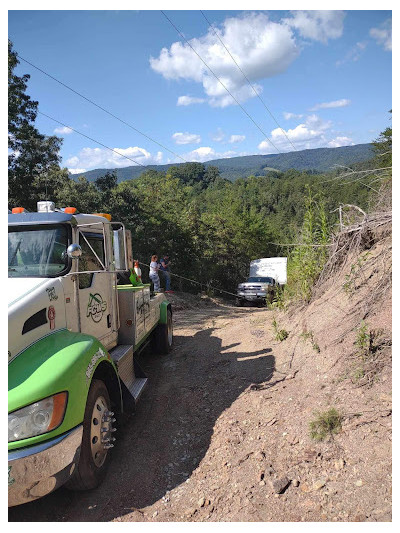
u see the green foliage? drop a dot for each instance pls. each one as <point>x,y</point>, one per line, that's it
<point>280,334</point>
<point>31,154</point>
<point>307,259</point>
<point>278,301</point>
<point>308,335</point>
<point>326,423</point>
<point>382,147</point>
<point>349,286</point>
<point>363,341</point>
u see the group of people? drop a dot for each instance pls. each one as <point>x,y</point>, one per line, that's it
<point>162,266</point>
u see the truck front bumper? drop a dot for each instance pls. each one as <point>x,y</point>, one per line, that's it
<point>253,296</point>
<point>38,470</point>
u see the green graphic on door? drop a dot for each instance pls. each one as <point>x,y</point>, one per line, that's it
<point>96,307</point>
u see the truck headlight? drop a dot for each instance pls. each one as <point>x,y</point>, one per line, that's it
<point>37,418</point>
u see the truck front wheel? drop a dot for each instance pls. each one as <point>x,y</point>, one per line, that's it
<point>96,441</point>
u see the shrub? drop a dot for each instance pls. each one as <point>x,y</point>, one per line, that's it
<point>326,423</point>
<point>280,334</point>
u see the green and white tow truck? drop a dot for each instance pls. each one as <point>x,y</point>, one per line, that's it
<point>74,337</point>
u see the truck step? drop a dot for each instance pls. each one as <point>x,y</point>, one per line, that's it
<point>129,370</point>
<point>122,355</point>
<point>120,352</point>
<point>138,387</point>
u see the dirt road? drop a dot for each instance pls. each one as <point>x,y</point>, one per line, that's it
<point>218,353</point>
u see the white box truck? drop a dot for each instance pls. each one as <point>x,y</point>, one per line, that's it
<point>266,274</point>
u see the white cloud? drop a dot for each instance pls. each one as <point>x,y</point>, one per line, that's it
<point>63,131</point>
<point>261,47</point>
<point>353,54</point>
<point>288,116</point>
<point>76,170</point>
<point>188,100</point>
<point>205,153</point>
<point>383,34</point>
<point>312,133</point>
<point>336,103</point>
<point>186,138</point>
<point>237,138</point>
<point>90,158</point>
<point>317,25</point>
<point>340,141</point>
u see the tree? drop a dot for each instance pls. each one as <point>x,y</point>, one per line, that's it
<point>383,148</point>
<point>31,154</point>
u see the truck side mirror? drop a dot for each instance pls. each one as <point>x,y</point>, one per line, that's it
<point>74,251</point>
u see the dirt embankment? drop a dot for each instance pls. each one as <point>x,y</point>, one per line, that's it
<point>223,431</point>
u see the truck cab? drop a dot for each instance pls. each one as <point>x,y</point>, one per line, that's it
<point>74,336</point>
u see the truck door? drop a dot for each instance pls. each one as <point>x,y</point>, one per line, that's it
<point>95,288</point>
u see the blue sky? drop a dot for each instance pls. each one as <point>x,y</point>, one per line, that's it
<point>325,76</point>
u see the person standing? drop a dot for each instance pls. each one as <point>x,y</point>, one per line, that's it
<point>153,274</point>
<point>164,268</point>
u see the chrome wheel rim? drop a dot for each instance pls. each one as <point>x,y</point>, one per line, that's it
<point>100,431</point>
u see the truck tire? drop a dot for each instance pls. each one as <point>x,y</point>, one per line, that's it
<point>239,302</point>
<point>163,336</point>
<point>95,456</point>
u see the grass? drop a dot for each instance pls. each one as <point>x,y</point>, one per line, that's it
<point>280,334</point>
<point>326,423</point>
<point>351,279</point>
<point>368,360</point>
<point>308,335</point>
<point>363,341</point>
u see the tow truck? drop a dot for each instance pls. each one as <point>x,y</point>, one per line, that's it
<point>75,331</point>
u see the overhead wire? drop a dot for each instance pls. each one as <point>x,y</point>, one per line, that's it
<point>91,139</point>
<point>251,85</point>
<point>223,85</point>
<point>100,107</point>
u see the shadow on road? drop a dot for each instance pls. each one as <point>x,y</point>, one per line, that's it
<point>170,433</point>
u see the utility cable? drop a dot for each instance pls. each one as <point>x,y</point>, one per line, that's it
<point>251,85</point>
<point>223,85</point>
<point>194,281</point>
<point>90,138</point>
<point>102,108</point>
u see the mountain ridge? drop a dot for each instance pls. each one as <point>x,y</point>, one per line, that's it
<point>315,159</point>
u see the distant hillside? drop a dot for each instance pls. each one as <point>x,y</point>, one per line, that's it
<point>318,159</point>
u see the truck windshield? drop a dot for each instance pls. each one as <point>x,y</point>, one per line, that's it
<point>37,251</point>
<point>261,280</point>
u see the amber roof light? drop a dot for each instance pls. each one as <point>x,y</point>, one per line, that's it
<point>105,215</point>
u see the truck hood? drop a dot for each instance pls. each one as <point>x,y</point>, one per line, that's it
<point>36,309</point>
<point>20,287</point>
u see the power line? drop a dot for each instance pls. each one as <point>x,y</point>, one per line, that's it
<point>251,85</point>
<point>90,138</point>
<point>196,282</point>
<point>223,85</point>
<point>100,107</point>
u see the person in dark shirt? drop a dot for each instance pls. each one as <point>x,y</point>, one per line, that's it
<point>165,270</point>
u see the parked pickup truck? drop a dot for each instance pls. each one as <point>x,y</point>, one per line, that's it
<point>266,274</point>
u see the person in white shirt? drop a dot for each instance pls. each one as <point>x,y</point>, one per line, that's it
<point>153,274</point>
